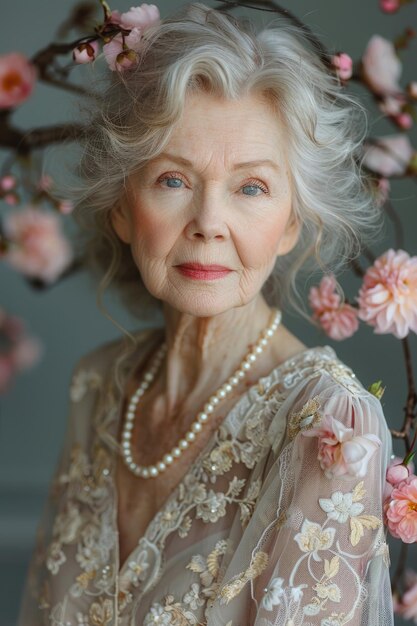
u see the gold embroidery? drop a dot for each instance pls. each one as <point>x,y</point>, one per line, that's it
<point>235,586</point>
<point>306,418</point>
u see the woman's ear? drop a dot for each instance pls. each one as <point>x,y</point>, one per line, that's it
<point>120,221</point>
<point>290,238</point>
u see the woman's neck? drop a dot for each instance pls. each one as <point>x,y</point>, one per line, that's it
<point>204,352</point>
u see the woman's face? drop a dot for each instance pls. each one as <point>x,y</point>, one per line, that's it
<point>219,194</point>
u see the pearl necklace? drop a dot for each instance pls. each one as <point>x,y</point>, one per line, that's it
<point>197,426</point>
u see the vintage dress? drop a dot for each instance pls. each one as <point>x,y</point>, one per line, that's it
<point>255,534</point>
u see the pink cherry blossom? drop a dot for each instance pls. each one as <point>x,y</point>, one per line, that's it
<point>85,52</point>
<point>340,453</point>
<point>8,182</point>
<point>66,207</point>
<point>119,57</point>
<point>392,105</point>
<point>140,17</point>
<point>17,79</point>
<point>390,157</point>
<point>404,120</point>
<point>401,510</point>
<point>388,296</point>
<point>407,604</point>
<point>26,353</point>
<point>380,66</point>
<point>38,249</point>
<point>383,190</point>
<point>343,64</point>
<point>389,6</point>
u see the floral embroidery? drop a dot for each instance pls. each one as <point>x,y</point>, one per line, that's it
<point>234,587</point>
<point>82,381</point>
<point>84,495</point>
<point>273,594</point>
<point>306,418</point>
<point>312,538</point>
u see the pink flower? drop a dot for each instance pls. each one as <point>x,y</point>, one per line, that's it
<point>119,57</point>
<point>380,66</point>
<point>26,353</point>
<point>401,510</point>
<point>39,249</point>
<point>389,6</point>
<point>340,323</point>
<point>338,320</point>
<point>343,64</point>
<point>140,17</point>
<point>8,182</point>
<point>66,207</point>
<point>388,296</point>
<point>397,473</point>
<point>85,52</point>
<point>392,105</point>
<point>17,79</point>
<point>340,452</point>
<point>324,297</point>
<point>383,190</point>
<point>390,157</point>
<point>404,120</point>
<point>407,605</point>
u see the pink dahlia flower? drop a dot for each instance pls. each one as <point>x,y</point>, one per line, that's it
<point>17,79</point>
<point>401,510</point>
<point>340,452</point>
<point>390,157</point>
<point>38,249</point>
<point>381,66</point>
<point>338,320</point>
<point>388,296</point>
<point>342,62</point>
<point>140,17</point>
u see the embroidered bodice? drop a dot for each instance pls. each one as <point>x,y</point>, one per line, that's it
<point>256,533</point>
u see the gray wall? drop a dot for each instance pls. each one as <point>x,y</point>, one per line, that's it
<point>32,415</point>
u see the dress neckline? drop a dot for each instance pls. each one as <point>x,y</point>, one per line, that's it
<point>132,362</point>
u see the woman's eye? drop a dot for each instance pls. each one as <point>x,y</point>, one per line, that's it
<point>252,189</point>
<point>175,182</point>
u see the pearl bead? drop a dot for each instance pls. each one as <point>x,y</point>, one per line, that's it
<point>202,417</point>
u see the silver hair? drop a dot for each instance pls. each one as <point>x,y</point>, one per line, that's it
<point>202,49</point>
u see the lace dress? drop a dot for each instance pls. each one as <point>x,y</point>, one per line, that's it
<point>256,534</point>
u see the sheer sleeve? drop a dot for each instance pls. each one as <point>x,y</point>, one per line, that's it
<point>325,551</point>
<point>47,555</point>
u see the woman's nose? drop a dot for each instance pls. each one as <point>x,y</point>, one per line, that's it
<point>208,219</point>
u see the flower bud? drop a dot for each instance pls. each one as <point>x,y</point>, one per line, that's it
<point>126,59</point>
<point>376,389</point>
<point>85,52</point>
<point>8,182</point>
<point>397,473</point>
<point>343,65</point>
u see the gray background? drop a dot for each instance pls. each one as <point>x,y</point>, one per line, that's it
<point>65,317</point>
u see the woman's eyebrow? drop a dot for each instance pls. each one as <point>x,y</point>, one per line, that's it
<point>237,166</point>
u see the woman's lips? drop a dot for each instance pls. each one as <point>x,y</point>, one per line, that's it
<point>203,272</point>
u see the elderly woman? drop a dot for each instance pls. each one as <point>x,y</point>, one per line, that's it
<point>216,470</point>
